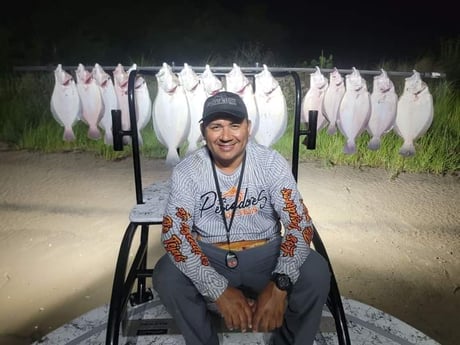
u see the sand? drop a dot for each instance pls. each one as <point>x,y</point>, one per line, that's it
<point>394,241</point>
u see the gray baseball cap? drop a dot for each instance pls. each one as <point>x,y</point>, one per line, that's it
<point>224,104</point>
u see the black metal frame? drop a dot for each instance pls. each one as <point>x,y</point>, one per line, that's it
<point>124,280</point>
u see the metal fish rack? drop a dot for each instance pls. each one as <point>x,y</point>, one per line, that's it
<point>248,69</point>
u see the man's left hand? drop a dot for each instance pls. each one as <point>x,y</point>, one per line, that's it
<point>270,309</point>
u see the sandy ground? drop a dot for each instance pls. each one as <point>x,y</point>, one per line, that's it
<point>394,243</point>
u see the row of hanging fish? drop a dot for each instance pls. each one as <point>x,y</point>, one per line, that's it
<point>93,96</point>
<point>178,105</point>
<point>176,108</point>
<point>348,106</point>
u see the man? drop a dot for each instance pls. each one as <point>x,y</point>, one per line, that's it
<point>235,223</point>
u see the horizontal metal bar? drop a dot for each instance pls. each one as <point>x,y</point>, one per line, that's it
<point>256,69</point>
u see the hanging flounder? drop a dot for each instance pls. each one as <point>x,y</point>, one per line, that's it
<point>272,108</point>
<point>238,83</point>
<point>142,102</point>
<point>354,110</point>
<point>384,101</point>
<point>171,117</point>
<point>65,102</point>
<point>211,83</point>
<point>196,96</point>
<point>109,99</point>
<point>414,114</point>
<point>314,97</point>
<point>91,101</point>
<point>332,98</point>
<point>120,81</point>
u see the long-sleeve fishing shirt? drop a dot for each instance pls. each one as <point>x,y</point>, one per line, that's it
<point>268,198</point>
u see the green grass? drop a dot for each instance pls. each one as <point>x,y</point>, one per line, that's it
<point>26,122</point>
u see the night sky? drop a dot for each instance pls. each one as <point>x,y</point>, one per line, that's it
<point>289,32</point>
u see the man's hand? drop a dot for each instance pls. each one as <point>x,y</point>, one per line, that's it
<point>236,309</point>
<point>270,309</point>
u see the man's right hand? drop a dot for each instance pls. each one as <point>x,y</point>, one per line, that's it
<point>235,308</point>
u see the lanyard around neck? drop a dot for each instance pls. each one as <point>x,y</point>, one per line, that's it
<point>219,195</point>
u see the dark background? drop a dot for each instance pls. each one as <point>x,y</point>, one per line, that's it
<point>282,33</point>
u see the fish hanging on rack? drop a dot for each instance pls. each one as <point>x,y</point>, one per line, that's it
<point>384,102</point>
<point>120,82</point>
<point>314,97</point>
<point>414,114</point>
<point>332,98</point>
<point>354,110</point>
<point>196,96</point>
<point>65,102</point>
<point>171,117</point>
<point>109,100</point>
<point>272,108</point>
<point>142,102</point>
<point>238,83</point>
<point>211,83</point>
<point>91,101</point>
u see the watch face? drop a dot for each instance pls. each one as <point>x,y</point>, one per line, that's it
<point>283,282</point>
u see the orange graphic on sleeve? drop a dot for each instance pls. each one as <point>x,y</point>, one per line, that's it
<point>166,224</point>
<point>307,234</point>
<point>289,245</point>
<point>182,214</point>
<point>305,211</point>
<point>185,230</point>
<point>291,208</point>
<point>172,245</point>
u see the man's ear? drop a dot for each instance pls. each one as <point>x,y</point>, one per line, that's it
<point>202,129</point>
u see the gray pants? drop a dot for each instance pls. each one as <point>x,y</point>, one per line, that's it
<point>189,308</point>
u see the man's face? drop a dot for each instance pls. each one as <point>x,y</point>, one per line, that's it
<point>227,140</point>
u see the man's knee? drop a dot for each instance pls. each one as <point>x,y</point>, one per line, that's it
<point>315,275</point>
<point>165,277</point>
<point>322,271</point>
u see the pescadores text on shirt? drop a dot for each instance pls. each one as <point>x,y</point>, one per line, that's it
<point>244,201</point>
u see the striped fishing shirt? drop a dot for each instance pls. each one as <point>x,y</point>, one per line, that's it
<point>269,204</point>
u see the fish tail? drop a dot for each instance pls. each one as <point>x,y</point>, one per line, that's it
<point>407,149</point>
<point>374,143</point>
<point>331,129</point>
<point>349,147</point>
<point>68,134</point>
<point>172,158</point>
<point>94,133</point>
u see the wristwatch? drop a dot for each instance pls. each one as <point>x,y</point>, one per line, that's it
<point>282,281</point>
